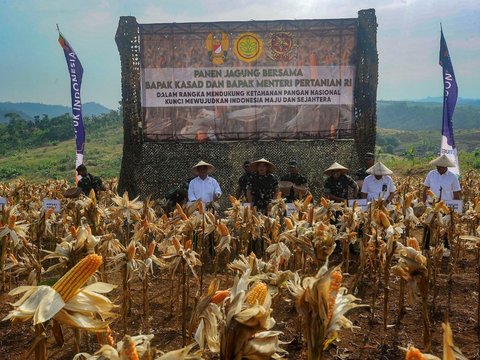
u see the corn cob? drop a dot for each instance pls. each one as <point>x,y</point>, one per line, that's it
<point>222,229</point>
<point>430,193</point>
<point>176,244</point>
<point>310,216</point>
<point>307,201</point>
<point>408,200</point>
<point>219,296</point>
<point>384,219</point>
<point>180,211</point>
<point>73,231</point>
<point>11,221</point>
<point>413,243</point>
<point>201,208</point>
<point>257,294</point>
<point>129,351</point>
<point>131,250</point>
<point>68,285</point>
<point>324,202</point>
<point>288,223</point>
<point>106,337</point>
<point>335,283</point>
<point>49,212</point>
<point>151,248</point>
<point>232,199</point>
<point>188,244</point>
<point>414,354</point>
<point>442,207</point>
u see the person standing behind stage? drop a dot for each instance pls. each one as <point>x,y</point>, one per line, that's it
<point>337,184</point>
<point>361,174</point>
<point>442,182</point>
<point>379,184</point>
<point>244,180</point>
<point>295,178</point>
<point>263,187</point>
<point>203,187</point>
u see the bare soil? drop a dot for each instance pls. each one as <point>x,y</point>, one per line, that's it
<point>457,299</point>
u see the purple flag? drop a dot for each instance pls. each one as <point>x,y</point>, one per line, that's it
<point>75,70</point>
<point>450,94</point>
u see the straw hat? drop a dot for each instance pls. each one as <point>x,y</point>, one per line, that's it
<point>335,166</point>
<point>270,167</point>
<point>379,169</point>
<point>442,161</point>
<point>210,167</point>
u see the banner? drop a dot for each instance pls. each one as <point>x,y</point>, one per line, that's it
<point>248,80</point>
<point>450,93</point>
<point>75,71</point>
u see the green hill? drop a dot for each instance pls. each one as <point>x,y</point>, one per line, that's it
<point>412,115</point>
<point>46,149</point>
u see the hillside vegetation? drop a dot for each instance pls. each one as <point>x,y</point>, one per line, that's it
<point>410,115</point>
<point>45,149</point>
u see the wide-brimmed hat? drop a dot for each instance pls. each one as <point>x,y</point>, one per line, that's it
<point>335,166</point>
<point>379,169</point>
<point>210,167</point>
<point>442,161</point>
<point>270,167</point>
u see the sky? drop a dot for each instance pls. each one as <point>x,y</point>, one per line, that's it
<point>33,68</point>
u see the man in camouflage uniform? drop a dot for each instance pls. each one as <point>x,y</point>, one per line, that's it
<point>88,181</point>
<point>263,186</point>
<point>338,183</point>
<point>244,180</point>
<point>294,177</point>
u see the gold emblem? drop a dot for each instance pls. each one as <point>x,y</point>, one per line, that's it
<point>217,47</point>
<point>282,46</point>
<point>248,47</point>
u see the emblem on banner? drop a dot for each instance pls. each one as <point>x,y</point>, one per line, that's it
<point>282,46</point>
<point>248,47</point>
<point>217,47</point>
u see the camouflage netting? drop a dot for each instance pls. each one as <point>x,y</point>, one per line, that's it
<point>156,167</point>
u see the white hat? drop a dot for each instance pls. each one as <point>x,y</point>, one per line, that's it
<point>270,167</point>
<point>442,161</point>
<point>335,166</point>
<point>210,167</point>
<point>379,169</point>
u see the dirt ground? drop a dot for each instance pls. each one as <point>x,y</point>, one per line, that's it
<point>368,341</point>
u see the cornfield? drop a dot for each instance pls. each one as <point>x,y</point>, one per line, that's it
<point>118,278</point>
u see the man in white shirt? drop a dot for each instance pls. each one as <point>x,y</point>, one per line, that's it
<point>445,185</point>
<point>442,182</point>
<point>204,187</point>
<point>379,184</point>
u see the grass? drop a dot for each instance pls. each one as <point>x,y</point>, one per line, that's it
<point>103,156</point>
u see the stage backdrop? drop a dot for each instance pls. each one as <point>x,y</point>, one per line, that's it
<point>226,92</point>
<point>247,80</point>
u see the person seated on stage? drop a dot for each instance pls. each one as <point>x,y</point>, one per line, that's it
<point>379,184</point>
<point>361,174</point>
<point>338,183</point>
<point>442,182</point>
<point>297,181</point>
<point>88,181</point>
<point>263,187</point>
<point>204,187</point>
<point>243,181</point>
